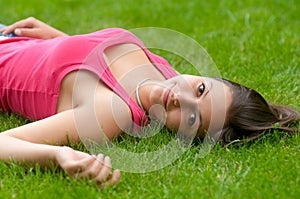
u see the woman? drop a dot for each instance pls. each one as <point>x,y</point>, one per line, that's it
<point>99,85</point>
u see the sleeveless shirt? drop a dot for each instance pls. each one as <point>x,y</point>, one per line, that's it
<point>31,70</point>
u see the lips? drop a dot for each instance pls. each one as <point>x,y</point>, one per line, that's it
<point>166,97</point>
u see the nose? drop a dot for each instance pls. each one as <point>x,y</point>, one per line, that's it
<point>184,100</point>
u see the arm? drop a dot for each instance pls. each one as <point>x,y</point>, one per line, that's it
<point>27,144</point>
<point>32,27</point>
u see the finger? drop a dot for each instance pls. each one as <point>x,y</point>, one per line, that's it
<point>115,177</point>
<point>81,154</point>
<point>79,166</point>
<point>5,30</point>
<point>84,163</point>
<point>100,158</point>
<point>26,32</point>
<point>105,171</point>
<point>94,168</point>
<point>2,29</point>
<point>25,23</point>
<point>9,29</point>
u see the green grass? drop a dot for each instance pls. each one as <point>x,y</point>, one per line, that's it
<point>255,43</point>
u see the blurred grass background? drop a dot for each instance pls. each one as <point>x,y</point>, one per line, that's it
<point>253,42</point>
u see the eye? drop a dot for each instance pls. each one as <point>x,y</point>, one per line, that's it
<point>201,89</point>
<point>192,119</point>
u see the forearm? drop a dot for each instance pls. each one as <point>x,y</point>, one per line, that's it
<point>75,163</point>
<point>26,152</point>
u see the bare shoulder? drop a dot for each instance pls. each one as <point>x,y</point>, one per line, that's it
<point>97,109</point>
<point>113,114</point>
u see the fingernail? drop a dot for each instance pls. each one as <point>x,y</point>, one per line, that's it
<point>107,160</point>
<point>100,157</point>
<point>17,31</point>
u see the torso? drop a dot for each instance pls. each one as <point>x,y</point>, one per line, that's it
<point>130,68</point>
<point>35,71</point>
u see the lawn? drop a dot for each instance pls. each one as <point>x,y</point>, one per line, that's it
<point>252,42</point>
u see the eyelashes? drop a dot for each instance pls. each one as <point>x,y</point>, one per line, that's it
<point>200,89</point>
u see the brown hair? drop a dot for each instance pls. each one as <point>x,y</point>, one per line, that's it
<point>249,115</point>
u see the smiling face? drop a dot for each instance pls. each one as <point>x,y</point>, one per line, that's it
<point>190,104</point>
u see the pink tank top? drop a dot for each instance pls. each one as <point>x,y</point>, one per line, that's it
<point>31,70</point>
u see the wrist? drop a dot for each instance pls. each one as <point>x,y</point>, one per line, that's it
<point>58,154</point>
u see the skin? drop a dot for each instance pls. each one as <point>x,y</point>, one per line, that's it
<point>86,100</point>
<point>187,103</point>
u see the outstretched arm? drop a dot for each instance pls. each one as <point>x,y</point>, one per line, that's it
<point>29,144</point>
<point>32,27</point>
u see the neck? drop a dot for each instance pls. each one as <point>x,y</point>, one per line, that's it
<point>137,94</point>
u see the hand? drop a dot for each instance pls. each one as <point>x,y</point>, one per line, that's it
<point>83,165</point>
<point>32,27</point>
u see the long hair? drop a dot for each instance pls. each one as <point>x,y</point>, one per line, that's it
<point>249,115</point>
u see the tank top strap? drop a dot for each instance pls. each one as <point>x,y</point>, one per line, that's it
<point>121,36</point>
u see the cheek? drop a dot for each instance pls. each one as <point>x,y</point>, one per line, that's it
<point>173,120</point>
